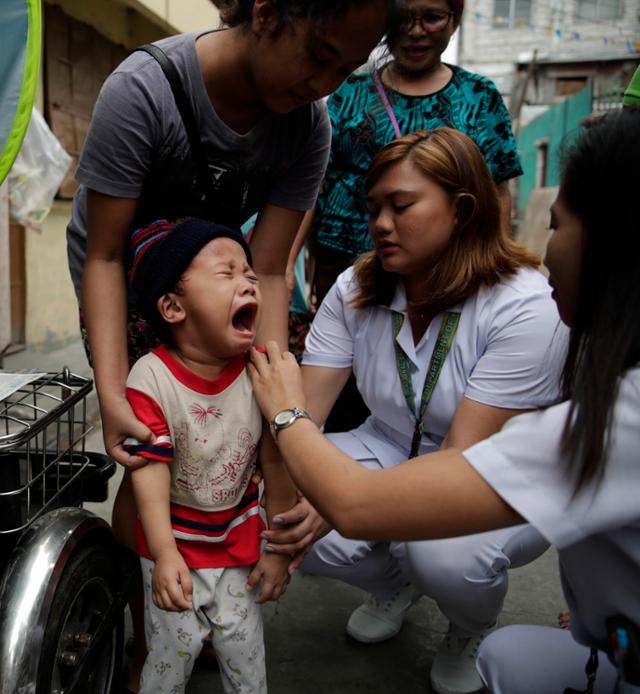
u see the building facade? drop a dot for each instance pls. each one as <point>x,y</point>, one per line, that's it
<point>496,35</point>
<point>555,62</point>
<point>82,43</point>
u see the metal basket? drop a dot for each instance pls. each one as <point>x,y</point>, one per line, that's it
<point>43,464</point>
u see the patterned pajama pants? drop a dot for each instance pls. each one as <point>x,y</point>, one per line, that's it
<point>222,606</point>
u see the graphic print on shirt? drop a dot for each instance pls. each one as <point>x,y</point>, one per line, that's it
<point>217,480</point>
<point>200,414</point>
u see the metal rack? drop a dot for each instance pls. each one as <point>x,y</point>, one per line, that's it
<point>43,464</point>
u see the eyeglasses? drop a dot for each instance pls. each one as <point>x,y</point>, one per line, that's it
<point>430,22</point>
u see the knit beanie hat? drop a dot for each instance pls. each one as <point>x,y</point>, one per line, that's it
<point>163,251</point>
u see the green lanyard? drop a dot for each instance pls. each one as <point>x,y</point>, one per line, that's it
<point>443,345</point>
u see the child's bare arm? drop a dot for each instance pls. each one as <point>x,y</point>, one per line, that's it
<point>279,489</point>
<point>280,494</point>
<point>171,578</point>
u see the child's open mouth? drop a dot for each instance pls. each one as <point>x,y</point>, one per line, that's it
<point>244,318</point>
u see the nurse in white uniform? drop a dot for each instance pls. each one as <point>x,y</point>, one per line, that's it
<point>450,330</point>
<point>572,471</point>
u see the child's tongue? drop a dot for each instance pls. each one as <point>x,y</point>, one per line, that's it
<point>242,320</point>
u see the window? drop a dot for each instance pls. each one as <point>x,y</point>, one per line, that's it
<point>599,10</point>
<point>566,86</point>
<point>511,14</point>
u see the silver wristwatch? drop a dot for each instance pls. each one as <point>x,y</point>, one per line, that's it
<point>285,418</point>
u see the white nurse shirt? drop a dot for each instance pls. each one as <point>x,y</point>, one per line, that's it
<point>508,352</point>
<point>597,533</point>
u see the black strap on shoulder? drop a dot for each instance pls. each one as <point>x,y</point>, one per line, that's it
<point>590,670</point>
<point>182,102</point>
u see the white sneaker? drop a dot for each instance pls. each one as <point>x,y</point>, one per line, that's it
<point>454,667</point>
<point>378,621</point>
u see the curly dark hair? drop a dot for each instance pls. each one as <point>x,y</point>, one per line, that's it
<point>318,12</point>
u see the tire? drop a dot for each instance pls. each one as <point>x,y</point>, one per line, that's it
<point>87,588</point>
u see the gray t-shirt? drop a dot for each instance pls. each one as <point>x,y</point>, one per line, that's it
<point>136,131</point>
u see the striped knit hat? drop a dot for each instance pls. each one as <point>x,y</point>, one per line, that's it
<point>163,251</point>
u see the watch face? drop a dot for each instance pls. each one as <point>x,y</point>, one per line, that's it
<point>283,417</point>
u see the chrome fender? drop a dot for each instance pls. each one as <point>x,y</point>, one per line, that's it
<point>27,589</point>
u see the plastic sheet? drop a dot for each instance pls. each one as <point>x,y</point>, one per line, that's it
<point>20,40</point>
<point>37,173</point>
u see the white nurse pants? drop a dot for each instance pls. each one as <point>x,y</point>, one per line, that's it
<point>521,659</point>
<point>466,576</point>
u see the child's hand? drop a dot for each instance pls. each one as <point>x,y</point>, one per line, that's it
<point>171,582</point>
<point>272,570</point>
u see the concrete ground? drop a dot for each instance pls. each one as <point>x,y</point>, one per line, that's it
<point>307,648</point>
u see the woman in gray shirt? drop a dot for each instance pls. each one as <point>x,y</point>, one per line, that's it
<point>253,91</point>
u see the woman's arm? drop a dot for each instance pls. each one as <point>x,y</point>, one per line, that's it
<point>273,237</point>
<point>322,386</point>
<point>271,243</point>
<point>298,243</point>
<point>439,495</point>
<point>495,138</point>
<point>104,305</point>
<point>433,496</point>
<point>474,421</point>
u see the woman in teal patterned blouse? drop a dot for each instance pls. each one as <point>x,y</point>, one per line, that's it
<point>424,93</point>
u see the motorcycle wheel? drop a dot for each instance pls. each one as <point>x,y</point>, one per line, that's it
<point>87,588</point>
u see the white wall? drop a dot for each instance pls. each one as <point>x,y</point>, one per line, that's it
<point>553,31</point>
<point>181,15</point>
<point>133,22</point>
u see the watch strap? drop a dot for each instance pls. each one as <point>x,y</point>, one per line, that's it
<point>296,413</point>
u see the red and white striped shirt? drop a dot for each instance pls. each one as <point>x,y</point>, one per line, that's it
<point>208,431</point>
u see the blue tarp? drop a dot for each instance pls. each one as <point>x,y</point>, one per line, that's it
<point>20,28</point>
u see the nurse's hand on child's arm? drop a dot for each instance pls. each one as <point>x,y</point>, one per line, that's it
<point>278,387</point>
<point>271,569</point>
<point>171,582</point>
